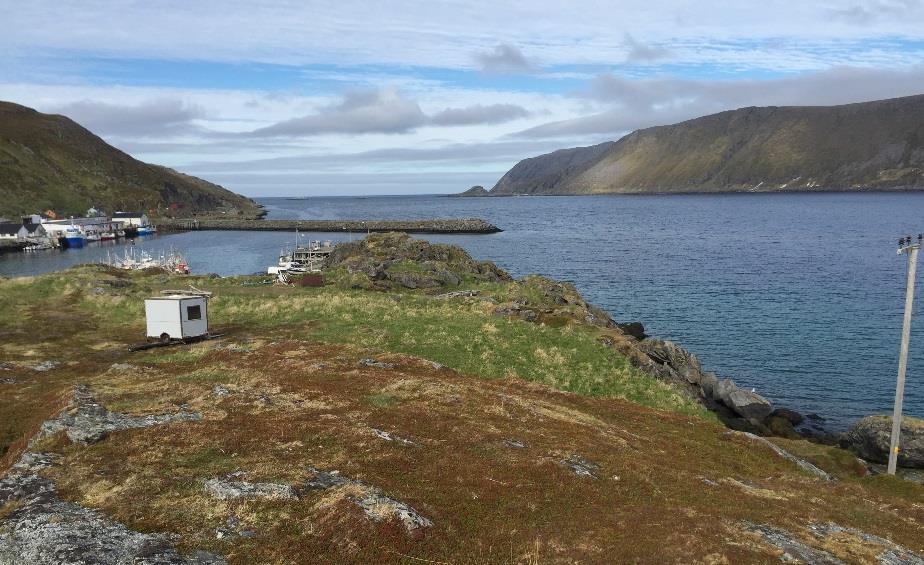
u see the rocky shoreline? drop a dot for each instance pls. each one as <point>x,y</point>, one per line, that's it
<point>738,408</point>
<point>438,225</point>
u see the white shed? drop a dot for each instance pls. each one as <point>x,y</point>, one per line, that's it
<point>177,316</point>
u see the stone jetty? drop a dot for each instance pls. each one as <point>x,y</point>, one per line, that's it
<point>463,225</point>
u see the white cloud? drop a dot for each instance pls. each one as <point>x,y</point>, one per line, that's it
<point>150,118</point>
<point>443,35</point>
<point>478,114</point>
<point>869,12</point>
<point>628,104</point>
<point>385,111</point>
<point>361,111</point>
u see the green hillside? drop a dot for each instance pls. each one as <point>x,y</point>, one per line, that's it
<point>51,162</point>
<point>866,146</point>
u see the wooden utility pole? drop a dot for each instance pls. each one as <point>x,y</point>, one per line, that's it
<point>904,246</point>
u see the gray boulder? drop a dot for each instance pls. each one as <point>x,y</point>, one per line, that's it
<point>228,488</point>
<point>870,439</point>
<point>707,383</point>
<point>745,403</point>
<point>749,404</point>
<point>634,329</point>
<point>415,280</point>
<point>722,389</point>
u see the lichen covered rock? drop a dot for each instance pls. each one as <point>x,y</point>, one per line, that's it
<point>870,438</point>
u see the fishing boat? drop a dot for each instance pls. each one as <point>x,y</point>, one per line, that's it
<point>107,236</point>
<point>303,259</point>
<point>147,230</point>
<point>94,236</point>
<point>74,238</point>
<point>38,246</point>
<point>172,261</point>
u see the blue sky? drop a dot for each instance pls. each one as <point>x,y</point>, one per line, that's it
<point>304,98</point>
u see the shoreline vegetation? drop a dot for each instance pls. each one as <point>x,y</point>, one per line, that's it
<point>420,405</point>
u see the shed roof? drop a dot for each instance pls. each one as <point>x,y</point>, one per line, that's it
<point>127,214</point>
<point>9,228</point>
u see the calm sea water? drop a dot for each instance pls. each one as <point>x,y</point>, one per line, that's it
<point>797,295</point>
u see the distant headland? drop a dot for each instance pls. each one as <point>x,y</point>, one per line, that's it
<point>849,148</point>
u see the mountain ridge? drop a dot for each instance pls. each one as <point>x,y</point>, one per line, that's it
<point>861,146</point>
<point>48,161</point>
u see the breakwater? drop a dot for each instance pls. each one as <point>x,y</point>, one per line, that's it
<point>449,225</point>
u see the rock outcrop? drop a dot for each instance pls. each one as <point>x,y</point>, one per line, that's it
<point>801,463</point>
<point>395,260</point>
<point>88,422</point>
<point>739,408</point>
<point>812,548</point>
<point>870,439</point>
<point>39,528</point>
<point>374,504</point>
<point>231,488</point>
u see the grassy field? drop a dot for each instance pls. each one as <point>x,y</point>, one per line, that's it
<point>456,380</point>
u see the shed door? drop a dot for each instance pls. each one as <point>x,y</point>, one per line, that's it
<point>195,317</point>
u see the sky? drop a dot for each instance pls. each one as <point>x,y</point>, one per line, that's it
<point>337,98</point>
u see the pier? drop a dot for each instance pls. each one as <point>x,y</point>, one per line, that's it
<point>465,225</point>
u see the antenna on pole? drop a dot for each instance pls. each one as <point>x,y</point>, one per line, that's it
<point>904,246</point>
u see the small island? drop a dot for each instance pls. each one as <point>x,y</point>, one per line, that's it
<point>476,190</point>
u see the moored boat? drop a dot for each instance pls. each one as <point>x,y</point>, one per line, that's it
<point>73,238</point>
<point>38,246</point>
<point>172,261</point>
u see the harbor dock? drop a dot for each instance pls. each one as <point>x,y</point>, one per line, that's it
<point>464,225</point>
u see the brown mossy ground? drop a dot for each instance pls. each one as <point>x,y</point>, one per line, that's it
<point>672,485</point>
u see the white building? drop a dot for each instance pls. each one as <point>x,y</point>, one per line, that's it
<point>25,230</point>
<point>9,230</point>
<point>131,218</point>
<point>32,230</point>
<point>88,226</point>
<point>176,316</point>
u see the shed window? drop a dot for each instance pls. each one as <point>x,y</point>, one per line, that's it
<point>193,312</point>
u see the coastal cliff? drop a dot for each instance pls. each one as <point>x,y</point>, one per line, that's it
<point>422,405</point>
<point>866,146</point>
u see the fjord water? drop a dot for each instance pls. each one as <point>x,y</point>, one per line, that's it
<point>797,295</point>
